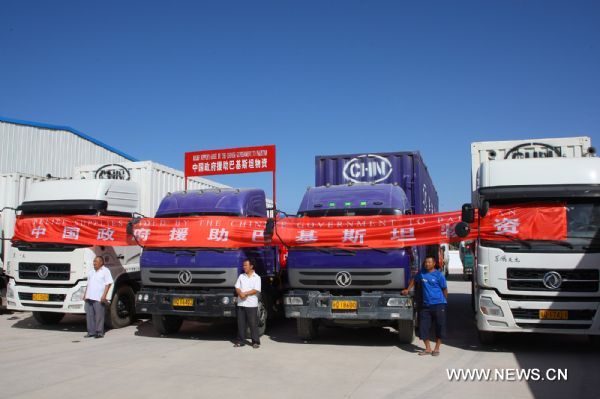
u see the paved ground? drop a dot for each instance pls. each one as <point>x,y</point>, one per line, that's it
<point>134,362</point>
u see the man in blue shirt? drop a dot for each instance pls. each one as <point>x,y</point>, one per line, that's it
<point>433,308</point>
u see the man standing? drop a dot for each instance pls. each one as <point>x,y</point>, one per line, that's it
<point>433,308</point>
<point>247,288</point>
<point>98,283</point>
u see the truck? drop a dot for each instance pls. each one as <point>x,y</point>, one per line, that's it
<point>359,287</point>
<point>523,286</point>
<point>13,187</point>
<point>50,279</point>
<point>198,283</point>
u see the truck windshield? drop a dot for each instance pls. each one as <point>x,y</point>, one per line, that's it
<point>583,227</point>
<point>350,212</point>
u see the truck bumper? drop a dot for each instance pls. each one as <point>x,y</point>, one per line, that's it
<point>370,306</point>
<point>523,316</point>
<point>159,301</point>
<point>60,299</point>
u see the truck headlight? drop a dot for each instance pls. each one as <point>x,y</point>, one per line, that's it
<point>488,307</point>
<point>293,300</point>
<point>225,300</point>
<point>140,297</point>
<point>78,295</point>
<point>146,297</point>
<point>401,302</point>
<point>10,293</point>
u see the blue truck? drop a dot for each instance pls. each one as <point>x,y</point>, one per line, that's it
<point>359,287</point>
<point>198,283</point>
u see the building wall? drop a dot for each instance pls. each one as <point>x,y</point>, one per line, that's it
<point>41,150</point>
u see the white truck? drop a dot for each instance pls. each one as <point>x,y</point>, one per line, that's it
<point>50,279</point>
<point>538,286</point>
<point>13,187</point>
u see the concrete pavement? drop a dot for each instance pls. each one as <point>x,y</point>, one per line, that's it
<point>57,362</point>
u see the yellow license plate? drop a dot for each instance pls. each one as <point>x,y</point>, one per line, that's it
<point>344,305</point>
<point>183,302</point>
<point>554,314</point>
<point>40,297</point>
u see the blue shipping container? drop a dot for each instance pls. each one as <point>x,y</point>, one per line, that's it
<point>406,169</point>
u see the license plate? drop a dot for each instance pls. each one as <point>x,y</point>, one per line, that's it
<point>40,297</point>
<point>344,305</point>
<point>183,302</point>
<point>546,314</point>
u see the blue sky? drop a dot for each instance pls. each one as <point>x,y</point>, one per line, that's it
<point>157,79</point>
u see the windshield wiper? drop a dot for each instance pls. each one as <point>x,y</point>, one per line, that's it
<point>513,239</point>
<point>562,243</point>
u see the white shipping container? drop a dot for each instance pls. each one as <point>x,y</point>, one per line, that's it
<point>484,152</point>
<point>13,187</point>
<point>154,180</point>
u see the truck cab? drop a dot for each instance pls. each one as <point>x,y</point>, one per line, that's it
<point>50,279</point>
<point>351,287</point>
<point>198,283</point>
<point>536,285</point>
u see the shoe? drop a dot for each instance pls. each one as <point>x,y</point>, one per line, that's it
<point>89,336</point>
<point>238,345</point>
<point>435,353</point>
<point>99,335</point>
<point>255,346</point>
<point>425,353</point>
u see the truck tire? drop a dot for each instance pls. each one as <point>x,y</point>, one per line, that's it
<point>121,311</point>
<point>406,331</point>
<point>487,337</point>
<point>307,328</point>
<point>165,324</point>
<point>263,316</point>
<point>48,318</point>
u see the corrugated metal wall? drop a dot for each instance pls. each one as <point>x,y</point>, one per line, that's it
<point>39,151</point>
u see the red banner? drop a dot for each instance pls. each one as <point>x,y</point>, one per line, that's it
<point>502,223</point>
<point>79,230</point>
<point>230,161</point>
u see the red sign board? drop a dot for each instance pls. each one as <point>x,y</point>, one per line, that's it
<point>230,161</point>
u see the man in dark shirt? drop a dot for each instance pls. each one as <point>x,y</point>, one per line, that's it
<point>433,308</point>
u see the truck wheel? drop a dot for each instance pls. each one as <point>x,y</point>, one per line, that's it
<point>406,331</point>
<point>121,311</point>
<point>263,316</point>
<point>487,337</point>
<point>307,328</point>
<point>165,324</point>
<point>47,318</point>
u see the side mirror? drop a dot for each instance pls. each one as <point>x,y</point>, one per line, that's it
<point>131,224</point>
<point>269,229</point>
<point>468,213</point>
<point>462,229</point>
<point>485,207</point>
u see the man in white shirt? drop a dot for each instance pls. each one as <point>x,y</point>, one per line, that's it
<point>98,283</point>
<point>247,288</point>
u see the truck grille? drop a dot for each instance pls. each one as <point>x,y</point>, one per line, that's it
<point>45,271</point>
<point>359,278</point>
<point>199,277</point>
<point>572,280</point>
<point>577,314</point>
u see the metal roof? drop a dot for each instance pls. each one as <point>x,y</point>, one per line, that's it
<point>68,129</point>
